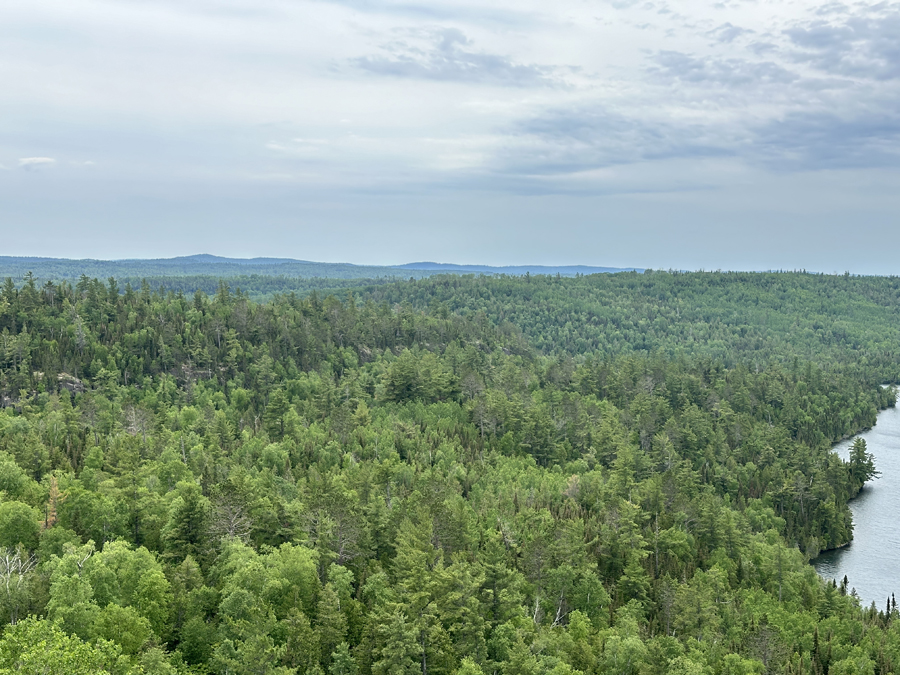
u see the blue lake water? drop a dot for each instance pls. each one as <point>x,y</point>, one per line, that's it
<point>872,561</point>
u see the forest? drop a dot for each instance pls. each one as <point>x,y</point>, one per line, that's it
<point>455,475</point>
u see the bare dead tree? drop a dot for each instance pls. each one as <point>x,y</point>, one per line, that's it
<point>80,337</point>
<point>15,577</point>
<point>766,645</point>
<point>138,421</point>
<point>230,520</point>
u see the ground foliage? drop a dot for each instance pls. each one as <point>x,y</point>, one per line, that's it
<point>473,475</point>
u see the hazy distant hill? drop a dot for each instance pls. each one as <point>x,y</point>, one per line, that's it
<point>195,265</point>
<point>211,265</point>
<point>563,270</point>
<point>204,258</point>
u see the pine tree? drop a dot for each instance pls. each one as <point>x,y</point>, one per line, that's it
<point>401,652</point>
<point>273,418</point>
<point>342,662</point>
<point>332,624</point>
<point>861,465</point>
<point>186,532</point>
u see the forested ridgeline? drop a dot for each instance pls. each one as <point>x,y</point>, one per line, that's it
<point>751,318</point>
<point>207,484</point>
<point>258,287</point>
<point>197,266</point>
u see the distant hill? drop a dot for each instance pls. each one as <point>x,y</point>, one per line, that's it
<point>211,265</point>
<point>516,270</point>
<point>260,278</point>
<point>203,258</point>
<point>195,265</point>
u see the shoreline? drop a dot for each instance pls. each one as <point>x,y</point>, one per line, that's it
<point>833,548</point>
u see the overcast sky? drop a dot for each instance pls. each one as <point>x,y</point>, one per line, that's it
<point>732,135</point>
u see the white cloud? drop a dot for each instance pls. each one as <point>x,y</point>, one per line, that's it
<point>36,162</point>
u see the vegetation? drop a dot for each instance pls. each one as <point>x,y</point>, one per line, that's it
<point>749,318</point>
<point>612,474</point>
<point>259,287</point>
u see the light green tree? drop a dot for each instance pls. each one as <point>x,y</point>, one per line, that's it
<point>342,661</point>
<point>19,525</point>
<point>39,647</point>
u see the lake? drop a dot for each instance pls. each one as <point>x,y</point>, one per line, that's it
<point>872,561</point>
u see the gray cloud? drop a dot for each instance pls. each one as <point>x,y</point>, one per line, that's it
<point>814,140</point>
<point>569,141</point>
<point>832,8</point>
<point>729,33</point>
<point>825,131</point>
<point>586,138</point>
<point>445,54</point>
<point>864,45</point>
<point>732,72</point>
<point>760,47</point>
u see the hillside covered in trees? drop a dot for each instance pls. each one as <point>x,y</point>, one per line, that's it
<point>734,317</point>
<point>456,475</point>
<point>260,278</point>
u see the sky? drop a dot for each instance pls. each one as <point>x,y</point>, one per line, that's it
<point>693,135</point>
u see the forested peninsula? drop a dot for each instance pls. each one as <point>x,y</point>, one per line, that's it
<point>500,475</point>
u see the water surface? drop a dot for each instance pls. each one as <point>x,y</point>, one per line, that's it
<point>872,560</point>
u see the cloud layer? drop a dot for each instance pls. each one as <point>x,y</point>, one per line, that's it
<point>446,54</point>
<point>331,103</point>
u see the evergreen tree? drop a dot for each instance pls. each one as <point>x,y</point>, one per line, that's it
<point>187,530</point>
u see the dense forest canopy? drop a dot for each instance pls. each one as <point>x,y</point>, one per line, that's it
<point>606,474</point>
<point>749,318</point>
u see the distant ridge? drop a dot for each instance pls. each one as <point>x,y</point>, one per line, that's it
<point>260,278</point>
<point>564,270</point>
<point>205,264</point>
<point>219,260</point>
